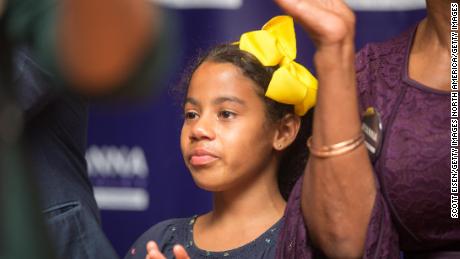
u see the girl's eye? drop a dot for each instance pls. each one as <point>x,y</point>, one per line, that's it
<point>226,114</point>
<point>190,115</point>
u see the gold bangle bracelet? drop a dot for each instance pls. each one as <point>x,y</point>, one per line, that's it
<point>335,149</point>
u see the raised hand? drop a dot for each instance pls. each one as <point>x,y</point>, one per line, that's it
<point>153,252</point>
<point>328,22</point>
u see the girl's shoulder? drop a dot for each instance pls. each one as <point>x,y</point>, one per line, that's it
<point>168,227</point>
<point>166,234</point>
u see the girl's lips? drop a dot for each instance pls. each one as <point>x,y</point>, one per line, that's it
<point>200,160</point>
<point>201,156</point>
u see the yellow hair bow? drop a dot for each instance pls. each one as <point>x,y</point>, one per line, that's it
<point>275,45</point>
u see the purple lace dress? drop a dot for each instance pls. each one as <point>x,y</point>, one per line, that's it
<point>412,206</point>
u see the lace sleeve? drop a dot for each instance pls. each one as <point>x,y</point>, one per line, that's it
<point>293,242</point>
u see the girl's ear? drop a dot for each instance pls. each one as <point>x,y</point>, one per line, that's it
<point>286,131</point>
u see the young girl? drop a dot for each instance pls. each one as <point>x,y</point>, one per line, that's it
<point>243,139</point>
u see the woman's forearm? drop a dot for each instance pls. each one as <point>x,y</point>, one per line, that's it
<point>339,191</point>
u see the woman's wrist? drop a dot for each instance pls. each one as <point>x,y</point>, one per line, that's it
<point>335,53</point>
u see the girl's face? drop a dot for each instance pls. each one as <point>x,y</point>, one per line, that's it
<point>226,139</point>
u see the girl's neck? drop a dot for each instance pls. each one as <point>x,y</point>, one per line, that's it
<point>255,197</point>
<point>241,214</point>
<point>258,199</point>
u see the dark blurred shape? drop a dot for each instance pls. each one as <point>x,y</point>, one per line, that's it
<point>93,46</point>
<point>52,54</point>
<point>22,232</point>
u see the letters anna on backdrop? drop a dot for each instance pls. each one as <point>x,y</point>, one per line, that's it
<point>133,154</point>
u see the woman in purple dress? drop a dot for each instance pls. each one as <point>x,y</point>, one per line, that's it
<point>353,207</point>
